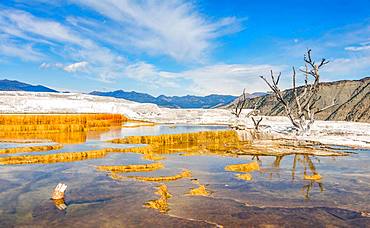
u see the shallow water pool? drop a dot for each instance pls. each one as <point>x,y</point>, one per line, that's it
<point>277,193</point>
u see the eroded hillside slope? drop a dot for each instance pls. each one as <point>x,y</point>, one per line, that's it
<point>351,96</point>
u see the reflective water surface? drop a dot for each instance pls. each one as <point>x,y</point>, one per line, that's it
<point>184,183</point>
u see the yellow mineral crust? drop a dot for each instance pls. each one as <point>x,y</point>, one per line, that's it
<point>244,176</point>
<point>248,167</point>
<point>223,143</point>
<point>51,119</point>
<point>132,168</point>
<point>61,128</point>
<point>160,204</point>
<point>53,158</point>
<point>183,174</point>
<point>30,149</point>
<point>115,176</point>
<point>59,137</point>
<point>200,191</point>
<point>313,177</point>
<point>138,123</point>
<point>168,139</point>
<point>152,157</point>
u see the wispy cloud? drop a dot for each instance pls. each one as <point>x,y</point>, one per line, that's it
<point>22,51</point>
<point>70,68</point>
<point>361,47</point>
<point>163,28</point>
<point>346,67</point>
<point>26,26</point>
<point>172,28</point>
<point>219,78</point>
<point>347,48</point>
<point>75,67</point>
<point>228,78</point>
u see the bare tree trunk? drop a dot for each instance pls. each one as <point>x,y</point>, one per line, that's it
<point>304,103</point>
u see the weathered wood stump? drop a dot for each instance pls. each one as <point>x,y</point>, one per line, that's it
<point>58,192</point>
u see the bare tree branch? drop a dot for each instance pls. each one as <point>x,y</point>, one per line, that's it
<point>256,122</point>
<point>238,107</point>
<point>305,98</point>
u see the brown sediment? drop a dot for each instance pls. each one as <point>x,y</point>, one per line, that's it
<point>30,149</point>
<point>244,176</point>
<point>160,204</point>
<point>313,177</point>
<point>183,174</point>
<point>132,168</point>
<point>53,158</point>
<point>248,167</point>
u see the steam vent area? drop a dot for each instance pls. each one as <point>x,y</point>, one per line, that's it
<point>128,173</point>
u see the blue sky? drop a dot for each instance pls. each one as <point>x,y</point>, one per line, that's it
<point>179,47</point>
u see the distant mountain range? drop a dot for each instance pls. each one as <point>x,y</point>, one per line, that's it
<point>10,85</point>
<point>188,101</point>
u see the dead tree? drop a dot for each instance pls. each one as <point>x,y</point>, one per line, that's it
<point>254,113</point>
<point>256,122</point>
<point>240,104</point>
<point>238,107</point>
<point>304,102</point>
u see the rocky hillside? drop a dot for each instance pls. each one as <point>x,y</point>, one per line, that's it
<point>352,98</point>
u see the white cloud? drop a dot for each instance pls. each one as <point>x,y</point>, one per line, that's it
<point>70,68</point>
<point>26,31</point>
<point>358,48</point>
<point>51,65</point>
<point>347,49</point>
<point>220,78</point>
<point>348,66</point>
<point>75,67</point>
<point>172,28</point>
<point>228,78</point>
<point>26,26</point>
<point>15,49</point>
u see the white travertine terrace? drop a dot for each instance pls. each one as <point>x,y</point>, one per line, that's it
<point>328,132</point>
